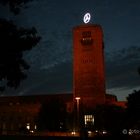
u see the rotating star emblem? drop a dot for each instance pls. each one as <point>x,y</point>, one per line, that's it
<point>87,18</point>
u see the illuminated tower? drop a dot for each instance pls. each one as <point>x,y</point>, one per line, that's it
<point>88,67</point>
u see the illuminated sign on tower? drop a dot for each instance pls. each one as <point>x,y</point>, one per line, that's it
<point>88,59</point>
<point>87,18</point>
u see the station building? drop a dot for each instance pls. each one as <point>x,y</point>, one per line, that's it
<point>20,112</point>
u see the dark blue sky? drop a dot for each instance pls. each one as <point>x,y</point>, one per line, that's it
<point>51,61</point>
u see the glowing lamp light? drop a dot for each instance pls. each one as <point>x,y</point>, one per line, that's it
<point>77,98</point>
<point>73,132</point>
<point>87,18</point>
<point>28,126</point>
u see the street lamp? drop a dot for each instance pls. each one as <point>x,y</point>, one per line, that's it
<point>77,101</point>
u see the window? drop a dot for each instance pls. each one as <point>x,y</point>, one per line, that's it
<point>89,119</point>
<point>28,126</point>
<point>86,38</point>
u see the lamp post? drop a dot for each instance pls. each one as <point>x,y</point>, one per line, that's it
<point>77,102</point>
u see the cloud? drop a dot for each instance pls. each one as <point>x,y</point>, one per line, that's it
<point>121,68</point>
<point>122,93</point>
<point>57,79</point>
<point>51,61</point>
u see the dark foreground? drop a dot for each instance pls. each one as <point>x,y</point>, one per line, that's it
<point>22,137</point>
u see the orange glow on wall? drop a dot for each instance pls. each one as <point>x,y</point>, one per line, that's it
<point>88,67</point>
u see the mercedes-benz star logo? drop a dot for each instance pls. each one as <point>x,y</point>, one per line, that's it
<point>87,18</point>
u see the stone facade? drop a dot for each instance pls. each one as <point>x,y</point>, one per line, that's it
<point>88,67</point>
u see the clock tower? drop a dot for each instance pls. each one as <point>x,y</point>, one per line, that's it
<point>88,64</point>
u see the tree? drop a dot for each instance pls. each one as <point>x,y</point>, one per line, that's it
<point>109,118</point>
<point>52,115</point>
<point>133,109</point>
<point>14,5</point>
<point>14,41</point>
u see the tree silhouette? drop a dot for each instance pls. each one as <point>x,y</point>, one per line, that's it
<point>110,118</point>
<point>14,5</point>
<point>133,109</point>
<point>14,41</point>
<point>52,115</point>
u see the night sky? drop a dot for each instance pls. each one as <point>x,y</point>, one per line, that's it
<point>51,61</point>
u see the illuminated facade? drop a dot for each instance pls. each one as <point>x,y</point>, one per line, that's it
<point>19,114</point>
<point>88,59</point>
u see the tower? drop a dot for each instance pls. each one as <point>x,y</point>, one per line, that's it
<point>88,64</point>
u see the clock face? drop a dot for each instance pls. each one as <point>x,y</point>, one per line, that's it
<point>87,18</point>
